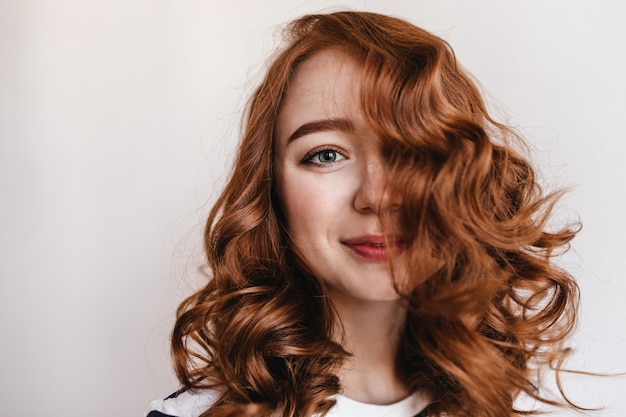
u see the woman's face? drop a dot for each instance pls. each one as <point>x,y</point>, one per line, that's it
<point>331,181</point>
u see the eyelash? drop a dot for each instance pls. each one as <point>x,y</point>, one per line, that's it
<point>308,158</point>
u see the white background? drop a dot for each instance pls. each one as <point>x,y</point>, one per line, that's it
<point>118,120</point>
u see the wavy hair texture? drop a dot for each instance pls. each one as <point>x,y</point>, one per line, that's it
<point>487,308</point>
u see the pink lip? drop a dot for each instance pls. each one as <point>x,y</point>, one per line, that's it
<point>373,247</point>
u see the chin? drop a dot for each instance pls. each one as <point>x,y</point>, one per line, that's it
<point>374,294</point>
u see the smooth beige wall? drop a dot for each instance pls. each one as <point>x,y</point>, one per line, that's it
<point>118,120</point>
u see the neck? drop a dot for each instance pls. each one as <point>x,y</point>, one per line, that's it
<point>370,331</point>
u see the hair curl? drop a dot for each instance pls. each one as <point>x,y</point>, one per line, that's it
<point>486,305</point>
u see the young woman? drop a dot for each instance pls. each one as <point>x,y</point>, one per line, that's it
<point>380,248</point>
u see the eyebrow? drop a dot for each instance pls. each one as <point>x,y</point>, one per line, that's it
<point>321,126</point>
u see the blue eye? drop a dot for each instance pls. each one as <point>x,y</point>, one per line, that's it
<point>324,157</point>
<point>327,156</point>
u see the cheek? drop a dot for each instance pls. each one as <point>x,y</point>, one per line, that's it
<point>313,207</point>
<point>301,208</point>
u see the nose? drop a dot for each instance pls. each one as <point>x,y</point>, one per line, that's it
<point>373,194</point>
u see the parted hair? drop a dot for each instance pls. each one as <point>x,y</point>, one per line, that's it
<point>487,308</point>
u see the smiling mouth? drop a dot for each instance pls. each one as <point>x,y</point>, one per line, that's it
<point>375,248</point>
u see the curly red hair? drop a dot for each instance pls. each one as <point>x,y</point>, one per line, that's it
<point>486,305</point>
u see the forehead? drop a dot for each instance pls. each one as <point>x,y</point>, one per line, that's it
<point>326,85</point>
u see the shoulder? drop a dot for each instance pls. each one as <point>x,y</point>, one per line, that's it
<point>183,403</point>
<point>192,403</point>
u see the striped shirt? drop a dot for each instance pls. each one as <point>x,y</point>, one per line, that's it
<point>193,403</point>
